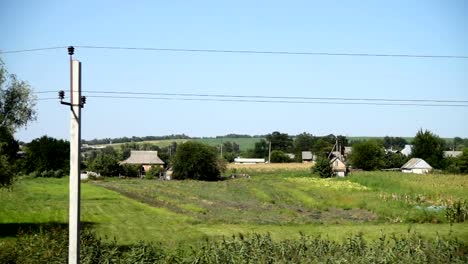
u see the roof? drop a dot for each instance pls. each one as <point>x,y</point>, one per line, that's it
<point>407,150</point>
<point>452,154</point>
<point>143,157</point>
<point>416,163</point>
<point>306,155</point>
<point>290,155</point>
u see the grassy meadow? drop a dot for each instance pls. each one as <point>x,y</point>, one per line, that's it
<point>282,204</point>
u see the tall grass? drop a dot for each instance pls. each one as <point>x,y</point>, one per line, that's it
<point>50,246</point>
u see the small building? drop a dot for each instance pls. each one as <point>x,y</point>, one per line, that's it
<point>145,158</point>
<point>407,150</point>
<point>307,157</point>
<point>416,165</point>
<point>291,156</point>
<point>248,161</point>
<point>338,167</point>
<point>348,151</point>
<point>452,154</point>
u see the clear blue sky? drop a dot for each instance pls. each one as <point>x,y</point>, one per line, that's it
<point>397,27</point>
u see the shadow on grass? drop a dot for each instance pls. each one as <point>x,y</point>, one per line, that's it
<point>12,229</point>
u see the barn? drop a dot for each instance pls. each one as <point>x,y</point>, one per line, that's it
<point>416,165</point>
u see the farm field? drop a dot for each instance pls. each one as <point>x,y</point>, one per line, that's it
<point>282,204</point>
<point>244,143</point>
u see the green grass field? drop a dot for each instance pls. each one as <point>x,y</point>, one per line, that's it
<point>174,212</point>
<point>244,143</point>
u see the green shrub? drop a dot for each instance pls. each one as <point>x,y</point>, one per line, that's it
<point>323,168</point>
<point>130,170</point>
<point>153,172</point>
<point>197,161</point>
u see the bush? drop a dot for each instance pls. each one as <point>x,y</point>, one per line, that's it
<point>130,170</point>
<point>195,160</point>
<point>153,172</point>
<point>323,168</point>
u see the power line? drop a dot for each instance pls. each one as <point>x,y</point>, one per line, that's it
<point>31,50</point>
<point>276,97</point>
<point>265,52</point>
<point>280,52</point>
<point>276,101</point>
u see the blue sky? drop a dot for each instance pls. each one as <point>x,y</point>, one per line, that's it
<point>395,27</point>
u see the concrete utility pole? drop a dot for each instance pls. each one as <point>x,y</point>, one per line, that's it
<point>269,151</point>
<point>76,103</point>
<point>75,158</point>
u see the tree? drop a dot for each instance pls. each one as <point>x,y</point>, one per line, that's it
<point>429,147</point>
<point>280,141</point>
<point>303,142</point>
<point>106,162</point>
<point>16,101</point>
<point>322,147</point>
<point>16,110</point>
<point>261,149</point>
<point>462,161</point>
<point>367,155</point>
<point>47,154</point>
<point>323,168</point>
<point>197,161</point>
<point>394,142</point>
<point>394,160</point>
<point>278,156</point>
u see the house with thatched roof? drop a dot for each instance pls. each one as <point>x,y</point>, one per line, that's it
<point>416,165</point>
<point>146,159</point>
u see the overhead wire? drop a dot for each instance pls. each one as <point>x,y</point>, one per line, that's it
<point>275,101</point>
<point>265,52</point>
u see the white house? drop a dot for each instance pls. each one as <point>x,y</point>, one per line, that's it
<point>452,154</point>
<point>416,165</point>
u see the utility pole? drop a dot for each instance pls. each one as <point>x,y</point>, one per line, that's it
<point>221,149</point>
<point>76,103</point>
<point>269,151</point>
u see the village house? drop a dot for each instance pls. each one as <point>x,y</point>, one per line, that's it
<point>338,167</point>
<point>146,159</point>
<point>416,165</point>
<point>307,157</point>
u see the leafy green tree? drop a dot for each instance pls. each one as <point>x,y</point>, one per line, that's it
<point>197,161</point>
<point>397,143</point>
<point>462,161</point>
<point>322,147</point>
<point>16,101</point>
<point>106,162</point>
<point>278,156</point>
<point>429,147</point>
<point>394,160</point>
<point>323,168</point>
<point>303,142</point>
<point>47,154</point>
<point>261,149</point>
<point>367,155</point>
<point>16,110</point>
<point>280,141</point>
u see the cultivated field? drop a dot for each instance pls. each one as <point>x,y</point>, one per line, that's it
<point>282,204</point>
<point>244,143</point>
